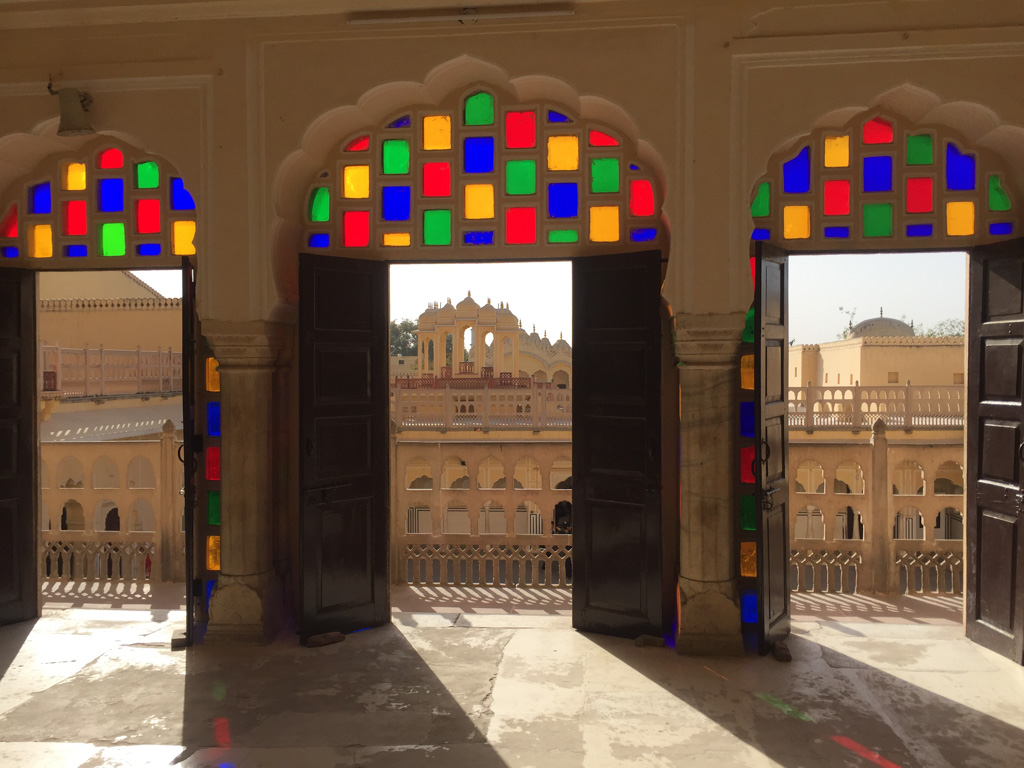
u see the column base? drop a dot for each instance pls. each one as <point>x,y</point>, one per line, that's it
<point>709,622</point>
<point>245,609</point>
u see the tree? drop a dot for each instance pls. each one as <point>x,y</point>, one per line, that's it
<point>403,337</point>
<point>951,326</point>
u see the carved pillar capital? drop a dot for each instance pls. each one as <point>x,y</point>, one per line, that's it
<point>257,344</point>
<point>708,341</point>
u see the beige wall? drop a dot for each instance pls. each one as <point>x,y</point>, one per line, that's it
<point>89,324</point>
<point>869,361</point>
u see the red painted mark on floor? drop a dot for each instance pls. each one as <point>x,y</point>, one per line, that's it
<point>222,731</point>
<point>863,751</point>
<point>709,669</point>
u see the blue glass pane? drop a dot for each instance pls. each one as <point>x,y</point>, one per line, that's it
<point>634,167</point>
<point>76,251</point>
<point>837,232</point>
<point>478,238</point>
<point>563,200</point>
<point>402,122</point>
<point>396,203</point>
<point>761,234</point>
<point>319,240</point>
<point>919,230</point>
<point>111,195</point>
<point>557,117</point>
<point>796,174</point>
<point>748,607</point>
<point>210,584</point>
<point>213,419</point>
<point>1001,228</point>
<point>747,419</point>
<point>181,200</point>
<point>878,174</point>
<point>39,198</point>
<point>148,249</point>
<point>959,168</point>
<point>479,154</point>
<point>643,235</point>
<point>9,251</point>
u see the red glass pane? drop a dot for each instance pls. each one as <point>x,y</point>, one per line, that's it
<point>355,229</point>
<point>520,130</point>
<point>601,139</point>
<point>753,271</point>
<point>521,225</point>
<point>358,145</point>
<point>747,464</point>
<point>919,195</point>
<point>74,217</point>
<point>437,179</point>
<point>877,131</point>
<point>641,197</point>
<point>213,463</point>
<point>111,158</point>
<point>837,198</point>
<point>147,216</point>
<point>9,226</point>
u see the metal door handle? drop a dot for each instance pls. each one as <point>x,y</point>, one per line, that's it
<point>181,455</point>
<point>766,451</point>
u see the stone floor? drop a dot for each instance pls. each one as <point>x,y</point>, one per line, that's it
<point>492,680</point>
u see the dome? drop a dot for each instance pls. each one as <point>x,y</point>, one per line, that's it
<point>467,305</point>
<point>447,312</point>
<point>880,326</point>
<point>488,313</point>
<point>505,319</point>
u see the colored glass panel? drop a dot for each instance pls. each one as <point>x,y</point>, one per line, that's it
<point>521,130</point>
<point>396,239</point>
<point>360,144</point>
<point>319,240</point>
<point>959,169</point>
<point>998,199</point>
<point>147,249</point>
<point>960,218</point>
<point>183,235</point>
<point>748,559</point>
<point>478,238</point>
<point>437,132</point>
<point>748,324</point>
<point>604,175</point>
<point>9,251</point>
<point>747,464</point>
<point>878,174</point>
<point>479,201</point>
<point>563,200</point>
<point>395,156</point>
<point>643,234</point>
<point>521,177</point>
<point>40,241</point>
<point>110,195</point>
<point>400,122</point>
<point>761,234</point>
<point>76,251</point>
<point>796,173</point>
<point>213,462</point>
<point>563,153</point>
<point>39,200</point>
<point>837,151</point>
<point>604,223</point>
<point>181,198</point>
<point>74,219</point>
<point>920,150</point>
<point>563,236</point>
<point>437,179</point>
<point>796,222</point>
<point>748,512</point>
<point>919,197</point>
<point>837,233</point>
<point>641,197</point>
<point>112,241</point>
<point>396,203</point>
<point>877,219</point>
<point>437,227</point>
<point>480,109</point>
<point>213,419</point>
<point>147,175</point>
<point>557,117</point>
<point>919,230</point>
<point>356,182</point>
<point>74,177</point>
<point>602,139</point>
<point>747,419</point>
<point>213,507</point>
<point>212,375</point>
<point>111,158</point>
<point>761,205</point>
<point>478,154</point>
<point>634,167</point>
<point>147,216</point>
<point>877,131</point>
<point>1000,228</point>
<point>9,226</point>
<point>213,553</point>
<point>521,226</point>
<point>748,607</point>
<point>355,229</point>
<point>837,197</point>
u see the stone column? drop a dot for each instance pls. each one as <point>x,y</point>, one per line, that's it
<point>168,565</point>
<point>707,347</point>
<point>247,601</point>
<point>881,553</point>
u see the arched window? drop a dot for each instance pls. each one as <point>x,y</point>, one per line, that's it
<point>562,518</point>
<point>454,475</point>
<point>908,479</point>
<point>810,524</point>
<point>107,516</point>
<point>849,525</point>
<point>949,524</point>
<point>105,474</point>
<point>456,519</point>
<point>810,477</point>
<point>949,479</point>
<point>561,474</point>
<point>418,520</point>
<point>527,474</point>
<point>418,475</point>
<point>140,473</point>
<point>560,379</point>
<point>492,519</point>
<point>909,524</point>
<point>72,516</point>
<point>849,478</point>
<point>70,473</point>
<point>141,517</point>
<point>528,520</point>
<point>491,474</point>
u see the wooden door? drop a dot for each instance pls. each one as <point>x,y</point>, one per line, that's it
<point>995,449</point>
<point>771,317</point>
<point>618,584</point>
<point>343,432</point>
<point>19,503</point>
<point>191,441</point>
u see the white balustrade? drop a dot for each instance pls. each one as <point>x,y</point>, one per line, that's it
<point>857,407</point>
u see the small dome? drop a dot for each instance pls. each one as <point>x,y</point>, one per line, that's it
<point>880,326</point>
<point>487,312</point>
<point>446,312</point>
<point>467,304</point>
<point>505,318</point>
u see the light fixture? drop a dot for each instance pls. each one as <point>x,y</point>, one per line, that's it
<point>73,106</point>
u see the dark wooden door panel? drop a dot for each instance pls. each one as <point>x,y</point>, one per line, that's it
<point>192,443</point>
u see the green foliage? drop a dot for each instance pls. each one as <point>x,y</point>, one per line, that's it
<point>951,326</point>
<point>403,337</point>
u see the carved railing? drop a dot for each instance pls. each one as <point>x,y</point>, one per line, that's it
<point>932,570</point>
<point>936,568</point>
<point>824,570</point>
<point>68,556</point>
<point>80,373</point>
<point>470,561</point>
<point>856,407</point>
<point>435,404</point>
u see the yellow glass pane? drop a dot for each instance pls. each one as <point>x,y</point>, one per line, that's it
<point>357,181</point>
<point>748,559</point>
<point>479,201</point>
<point>74,176</point>
<point>960,218</point>
<point>747,372</point>
<point>213,553</point>
<point>796,222</point>
<point>437,132</point>
<point>563,153</point>
<point>397,238</point>
<point>40,241</point>
<point>837,151</point>
<point>604,224</point>
<point>212,375</point>
<point>182,235</point>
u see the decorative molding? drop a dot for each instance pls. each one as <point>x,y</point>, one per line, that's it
<point>93,305</point>
<point>708,341</point>
<point>249,345</point>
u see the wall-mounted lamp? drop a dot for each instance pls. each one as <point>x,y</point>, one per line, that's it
<point>73,106</point>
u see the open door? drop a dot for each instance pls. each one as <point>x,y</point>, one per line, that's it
<point>995,449</point>
<point>19,515</point>
<point>191,442</point>
<point>343,434</point>
<point>771,317</point>
<point>618,586</point>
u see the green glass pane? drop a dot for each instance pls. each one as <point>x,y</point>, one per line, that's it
<point>919,150</point>
<point>748,513</point>
<point>320,204</point>
<point>147,175</point>
<point>395,156</point>
<point>521,177</point>
<point>563,236</point>
<point>480,109</point>
<point>437,227</point>
<point>748,327</point>
<point>213,507</point>
<point>878,220</point>
<point>998,200</point>
<point>604,174</point>
<point>762,200</point>
<point>112,239</point>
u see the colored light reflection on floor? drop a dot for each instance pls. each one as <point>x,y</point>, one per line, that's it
<point>863,751</point>
<point>784,707</point>
<point>219,691</point>
<point>709,669</point>
<point>222,731</point>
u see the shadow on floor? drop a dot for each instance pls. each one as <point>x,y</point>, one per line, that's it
<point>481,600</point>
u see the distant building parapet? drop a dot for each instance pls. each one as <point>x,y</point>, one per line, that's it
<point>78,305</point>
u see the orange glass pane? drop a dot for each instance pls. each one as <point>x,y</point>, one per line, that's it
<point>74,176</point>
<point>437,132</point>
<point>212,375</point>
<point>748,559</point>
<point>563,153</point>
<point>604,223</point>
<point>960,218</point>
<point>40,242</point>
<point>213,553</point>
<point>747,372</point>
